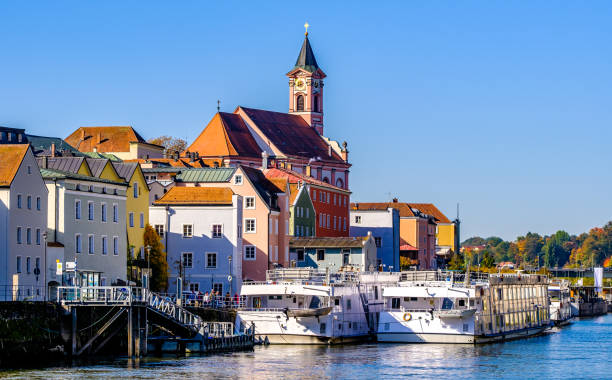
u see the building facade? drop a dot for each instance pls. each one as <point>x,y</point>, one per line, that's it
<point>23,216</point>
<point>303,218</point>
<point>334,253</point>
<point>384,224</point>
<point>201,230</point>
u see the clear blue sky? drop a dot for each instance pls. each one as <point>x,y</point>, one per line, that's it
<point>502,106</point>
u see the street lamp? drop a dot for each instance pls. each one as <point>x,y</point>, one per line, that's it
<point>148,248</point>
<point>229,278</point>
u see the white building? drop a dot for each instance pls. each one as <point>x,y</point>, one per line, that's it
<point>384,224</point>
<point>200,228</point>
<point>23,222</point>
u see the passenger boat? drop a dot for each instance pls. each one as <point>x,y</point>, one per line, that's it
<point>447,307</point>
<point>560,303</point>
<point>306,306</point>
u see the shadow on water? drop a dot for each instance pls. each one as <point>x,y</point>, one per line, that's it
<point>580,350</point>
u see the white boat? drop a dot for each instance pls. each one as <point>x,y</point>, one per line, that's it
<point>442,307</point>
<point>560,303</point>
<point>305,306</point>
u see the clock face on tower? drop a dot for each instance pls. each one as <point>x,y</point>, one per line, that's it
<point>300,84</point>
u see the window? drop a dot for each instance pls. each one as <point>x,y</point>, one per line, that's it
<point>300,255</point>
<point>38,236</point>
<point>37,265</point>
<point>187,259</point>
<point>334,199</point>
<point>29,167</point>
<point>299,103</point>
<point>159,228</point>
<point>249,252</point>
<point>131,219</point>
<point>217,231</point>
<point>104,245</point>
<point>18,200</point>
<point>328,223</point>
<point>28,235</point>
<point>334,222</point>
<point>141,220</point>
<point>238,179</point>
<point>346,257</point>
<point>320,254</point>
<point>211,260</point>
<point>29,202</point>
<point>90,244</point>
<point>103,213</point>
<point>344,223</point>
<point>187,231</point>
<point>77,243</point>
<point>115,213</point>
<point>18,235</point>
<point>249,202</point>
<point>77,209</point>
<point>135,189</point>
<point>314,195</point>
<point>276,226</point>
<point>28,265</point>
<point>218,288</point>
<point>18,264</point>
<point>357,219</point>
<point>322,328</point>
<point>90,210</point>
<point>395,303</point>
<point>38,203</point>
<point>115,245</point>
<point>378,241</point>
<point>249,226</point>
<point>348,304</point>
<point>307,212</point>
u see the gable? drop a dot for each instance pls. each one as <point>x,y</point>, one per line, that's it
<point>225,135</point>
<point>11,156</point>
<point>108,172</point>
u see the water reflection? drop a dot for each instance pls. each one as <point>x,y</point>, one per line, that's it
<point>578,351</point>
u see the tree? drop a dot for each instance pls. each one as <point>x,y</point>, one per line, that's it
<point>158,259</point>
<point>456,262</point>
<point>555,250</point>
<point>487,260</point>
<point>171,144</point>
<point>476,240</point>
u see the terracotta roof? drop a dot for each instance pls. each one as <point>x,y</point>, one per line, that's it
<point>182,162</point>
<point>11,156</point>
<point>293,192</point>
<point>280,183</point>
<point>430,209</point>
<point>327,242</point>
<point>403,208</point>
<point>295,177</point>
<point>204,196</point>
<point>226,135</point>
<point>105,139</point>
<point>291,134</point>
<point>404,246</point>
<point>65,164</point>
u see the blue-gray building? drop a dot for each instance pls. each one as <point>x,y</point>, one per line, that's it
<point>384,224</point>
<point>334,253</point>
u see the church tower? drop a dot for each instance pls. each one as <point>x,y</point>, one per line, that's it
<point>306,87</point>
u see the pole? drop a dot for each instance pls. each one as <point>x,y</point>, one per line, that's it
<point>130,339</point>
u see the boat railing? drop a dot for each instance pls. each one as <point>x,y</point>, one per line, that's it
<point>443,276</point>
<point>310,275</point>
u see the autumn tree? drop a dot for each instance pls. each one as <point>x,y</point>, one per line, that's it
<point>555,250</point>
<point>158,260</point>
<point>171,144</point>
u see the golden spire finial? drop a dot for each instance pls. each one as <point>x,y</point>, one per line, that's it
<point>306,26</point>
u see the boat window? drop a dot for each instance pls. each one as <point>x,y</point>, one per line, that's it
<point>376,292</point>
<point>337,302</point>
<point>322,328</point>
<point>387,326</point>
<point>315,302</point>
<point>294,300</point>
<point>413,299</point>
<point>275,297</point>
<point>348,304</point>
<point>350,325</point>
<point>447,303</point>
<point>256,302</point>
<point>461,302</point>
<point>395,303</point>
<point>466,328</point>
<point>471,302</point>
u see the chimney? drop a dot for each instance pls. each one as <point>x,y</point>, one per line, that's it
<point>52,150</point>
<point>308,170</point>
<point>264,160</point>
<point>395,200</point>
<point>44,162</point>
<point>98,138</point>
<point>176,155</point>
<point>82,134</point>
<point>345,152</point>
<point>165,153</point>
<point>95,149</point>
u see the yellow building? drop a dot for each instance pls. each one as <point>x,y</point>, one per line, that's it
<point>447,232</point>
<point>137,208</point>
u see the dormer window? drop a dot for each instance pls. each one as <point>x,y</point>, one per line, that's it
<point>300,103</point>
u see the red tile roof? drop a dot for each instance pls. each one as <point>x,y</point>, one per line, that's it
<point>11,156</point>
<point>105,139</point>
<point>403,208</point>
<point>204,196</point>
<point>295,177</point>
<point>226,135</point>
<point>430,209</point>
<point>291,134</point>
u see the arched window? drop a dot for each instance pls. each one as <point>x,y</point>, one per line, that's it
<point>300,103</point>
<point>340,183</point>
<point>316,103</point>
<point>325,179</point>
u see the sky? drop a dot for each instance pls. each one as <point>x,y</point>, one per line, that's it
<point>502,107</point>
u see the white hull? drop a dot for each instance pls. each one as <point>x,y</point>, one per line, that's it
<point>456,338</point>
<point>310,339</point>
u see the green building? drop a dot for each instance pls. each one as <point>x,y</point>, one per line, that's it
<point>302,217</point>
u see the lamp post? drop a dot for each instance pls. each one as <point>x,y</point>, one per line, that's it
<point>148,248</point>
<point>229,278</point>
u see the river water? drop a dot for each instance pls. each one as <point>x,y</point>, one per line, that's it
<point>581,350</point>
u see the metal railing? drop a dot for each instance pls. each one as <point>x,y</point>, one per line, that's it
<point>307,275</point>
<point>172,310</point>
<point>117,295</point>
<point>218,329</point>
<point>23,293</point>
<point>208,302</point>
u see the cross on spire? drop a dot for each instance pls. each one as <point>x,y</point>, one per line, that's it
<point>218,105</point>
<point>306,27</point>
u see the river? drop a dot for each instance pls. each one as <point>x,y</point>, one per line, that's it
<point>581,350</point>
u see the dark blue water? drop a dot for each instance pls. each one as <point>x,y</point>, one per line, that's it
<point>581,350</point>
